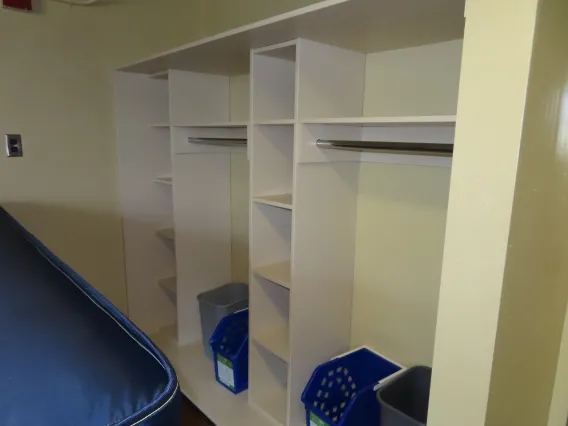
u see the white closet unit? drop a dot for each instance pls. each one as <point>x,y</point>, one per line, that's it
<point>296,87</point>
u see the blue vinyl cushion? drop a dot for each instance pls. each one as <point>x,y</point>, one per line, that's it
<point>67,356</point>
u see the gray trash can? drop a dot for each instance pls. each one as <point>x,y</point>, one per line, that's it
<point>404,401</point>
<point>216,304</point>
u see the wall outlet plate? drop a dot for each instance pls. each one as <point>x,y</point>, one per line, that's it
<point>14,147</point>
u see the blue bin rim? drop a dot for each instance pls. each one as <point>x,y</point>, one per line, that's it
<point>375,387</point>
<point>214,337</point>
<point>384,381</point>
<point>369,349</point>
<point>387,379</point>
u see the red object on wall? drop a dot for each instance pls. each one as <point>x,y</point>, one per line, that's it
<point>18,4</point>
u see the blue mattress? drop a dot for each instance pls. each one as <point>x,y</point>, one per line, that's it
<point>67,356</point>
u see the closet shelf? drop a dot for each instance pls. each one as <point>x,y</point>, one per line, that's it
<point>448,120</point>
<point>283,201</point>
<point>160,125</point>
<point>285,50</point>
<point>161,75</point>
<point>278,273</point>
<point>167,233</point>
<point>237,142</point>
<point>164,180</point>
<point>280,122</point>
<point>169,285</point>
<point>276,341</point>
<point>274,405</point>
<point>221,124</point>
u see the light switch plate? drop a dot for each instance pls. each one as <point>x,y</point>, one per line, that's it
<point>13,144</point>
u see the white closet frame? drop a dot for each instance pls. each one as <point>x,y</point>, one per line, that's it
<point>303,200</point>
<point>302,76</point>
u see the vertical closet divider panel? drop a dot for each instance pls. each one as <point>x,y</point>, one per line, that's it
<point>329,82</point>
<point>202,193</point>
<point>144,154</point>
<point>273,96</point>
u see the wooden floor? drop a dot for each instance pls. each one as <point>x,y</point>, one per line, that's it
<point>191,416</point>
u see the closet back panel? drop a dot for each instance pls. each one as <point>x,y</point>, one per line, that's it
<point>394,88</point>
<point>402,208</point>
<point>239,93</point>
<point>400,239</point>
<point>240,217</point>
<point>203,233</point>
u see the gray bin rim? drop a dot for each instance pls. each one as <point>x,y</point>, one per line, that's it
<point>408,420</point>
<point>202,297</point>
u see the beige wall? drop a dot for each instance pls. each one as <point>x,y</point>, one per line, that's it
<point>535,283</point>
<point>56,90</point>
<point>400,242</point>
<point>393,87</point>
<point>503,293</point>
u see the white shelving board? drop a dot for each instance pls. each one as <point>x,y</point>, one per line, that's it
<point>161,75</point>
<point>167,233</point>
<point>449,120</point>
<point>278,273</point>
<point>196,374</point>
<point>276,341</point>
<point>169,285</point>
<point>283,201</point>
<point>160,125</point>
<point>221,124</point>
<point>164,180</point>
<point>278,122</point>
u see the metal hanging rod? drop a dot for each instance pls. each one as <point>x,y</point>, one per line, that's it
<point>397,147</point>
<point>219,141</point>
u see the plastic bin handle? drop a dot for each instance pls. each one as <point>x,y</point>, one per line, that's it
<point>372,350</point>
<point>386,380</point>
